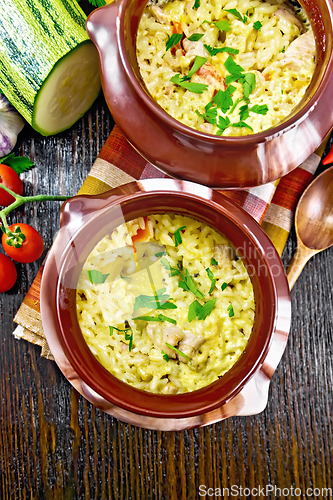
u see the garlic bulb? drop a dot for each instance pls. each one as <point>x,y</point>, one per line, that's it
<point>11,123</point>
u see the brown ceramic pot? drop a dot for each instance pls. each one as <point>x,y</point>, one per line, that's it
<point>188,154</point>
<point>243,390</point>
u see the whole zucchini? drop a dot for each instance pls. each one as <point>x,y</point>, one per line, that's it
<point>49,69</point>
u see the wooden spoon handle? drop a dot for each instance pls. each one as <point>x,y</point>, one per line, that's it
<point>300,258</point>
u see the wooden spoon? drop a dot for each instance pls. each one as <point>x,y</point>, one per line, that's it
<point>313,223</point>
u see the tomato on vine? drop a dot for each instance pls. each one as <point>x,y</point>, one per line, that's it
<point>8,273</point>
<point>10,179</point>
<point>22,243</point>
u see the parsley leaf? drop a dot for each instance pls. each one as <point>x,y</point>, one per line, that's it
<point>129,336</point>
<point>165,356</point>
<point>233,68</point>
<point>259,109</point>
<point>160,318</point>
<point>206,309</point>
<point>257,25</point>
<point>283,49</point>
<point>197,88</point>
<point>223,25</point>
<point>157,301</point>
<point>224,286</point>
<point>223,99</point>
<point>212,279</point>
<point>249,84</point>
<point>191,285</point>
<point>97,3</point>
<point>198,62</point>
<point>241,124</point>
<point>196,4</point>
<point>177,350</point>
<point>222,124</point>
<point>230,310</point>
<point>111,328</point>
<point>244,112</point>
<point>177,235</point>
<point>237,14</point>
<point>96,277</point>
<point>210,115</point>
<point>173,40</point>
<point>213,51</point>
<point>240,99</point>
<point>160,254</point>
<point>214,262</point>
<point>167,266</point>
<point>193,310</point>
<point>195,37</point>
<point>18,163</point>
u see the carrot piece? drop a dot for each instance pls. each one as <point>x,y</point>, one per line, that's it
<point>142,234</point>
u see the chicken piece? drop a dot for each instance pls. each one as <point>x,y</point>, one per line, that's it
<point>189,344</point>
<point>169,389</point>
<point>299,55</point>
<point>194,48</point>
<point>158,13</point>
<point>210,75</point>
<point>170,334</point>
<point>208,128</point>
<point>223,254</point>
<point>288,15</point>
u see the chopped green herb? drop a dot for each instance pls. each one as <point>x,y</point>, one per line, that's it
<point>214,262</point>
<point>177,350</point>
<point>173,40</point>
<point>223,99</point>
<point>160,318</point>
<point>178,238</point>
<point>223,123</point>
<point>244,112</point>
<point>196,4</point>
<point>261,109</point>
<point>198,62</point>
<point>224,286</point>
<point>257,25</point>
<point>212,279</point>
<point>283,49</point>
<point>213,51</point>
<point>195,37</point>
<point>193,310</point>
<point>167,266</point>
<point>249,84</point>
<point>237,14</point>
<point>160,254</point>
<point>165,356</point>
<point>130,338</point>
<point>96,277</point>
<point>281,91</point>
<point>241,125</point>
<point>231,311</point>
<point>206,309</point>
<point>240,99</point>
<point>188,284</point>
<point>210,115</point>
<point>223,25</point>
<point>111,328</point>
<point>233,68</point>
<point>196,88</point>
<point>157,301</point>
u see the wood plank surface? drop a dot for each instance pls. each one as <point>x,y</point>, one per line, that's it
<point>56,445</point>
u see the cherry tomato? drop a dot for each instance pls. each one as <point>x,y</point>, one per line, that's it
<point>8,273</point>
<point>10,179</point>
<point>32,246</point>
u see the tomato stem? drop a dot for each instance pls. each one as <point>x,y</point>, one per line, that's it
<point>20,200</point>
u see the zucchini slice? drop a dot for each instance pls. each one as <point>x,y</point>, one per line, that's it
<point>49,69</point>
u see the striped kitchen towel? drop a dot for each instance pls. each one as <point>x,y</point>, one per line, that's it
<point>272,205</point>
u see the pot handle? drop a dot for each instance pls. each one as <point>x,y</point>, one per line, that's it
<point>96,28</point>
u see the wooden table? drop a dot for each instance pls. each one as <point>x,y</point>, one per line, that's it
<point>56,445</point>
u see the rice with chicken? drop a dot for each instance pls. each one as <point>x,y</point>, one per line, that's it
<point>172,313</point>
<point>226,67</point>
